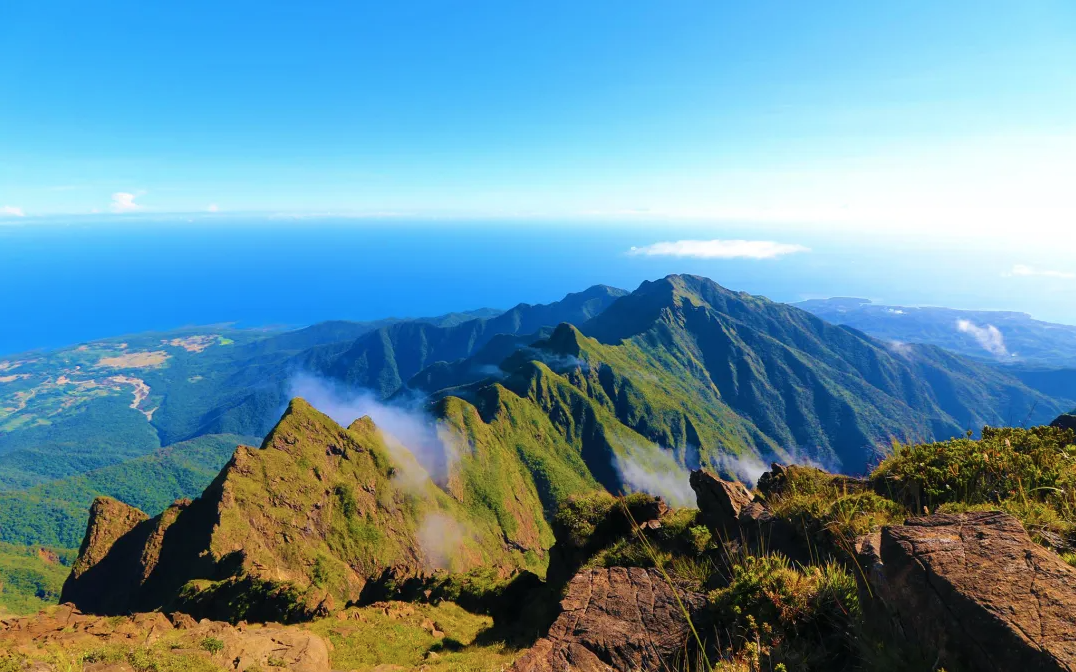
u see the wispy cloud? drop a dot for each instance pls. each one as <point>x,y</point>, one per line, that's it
<point>124,202</point>
<point>212,207</point>
<point>1024,271</point>
<point>719,249</point>
<point>11,211</point>
<point>989,337</point>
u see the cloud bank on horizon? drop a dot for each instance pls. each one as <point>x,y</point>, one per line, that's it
<point>719,249</point>
<point>1025,271</point>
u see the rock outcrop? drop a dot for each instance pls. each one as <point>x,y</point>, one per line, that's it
<point>730,511</point>
<point>720,502</point>
<point>1067,421</point>
<point>115,530</point>
<point>109,520</point>
<point>974,591</point>
<point>615,619</point>
<point>289,531</point>
<point>235,648</point>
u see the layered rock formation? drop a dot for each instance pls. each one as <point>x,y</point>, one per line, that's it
<point>977,593</point>
<point>615,619</point>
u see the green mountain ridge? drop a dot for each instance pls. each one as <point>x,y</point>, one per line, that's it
<point>316,514</point>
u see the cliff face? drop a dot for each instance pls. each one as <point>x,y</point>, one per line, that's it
<point>297,527</point>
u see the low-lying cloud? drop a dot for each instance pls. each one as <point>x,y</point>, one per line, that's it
<point>899,348</point>
<point>746,468</point>
<point>989,337</point>
<point>1024,271</point>
<point>11,211</point>
<point>440,538</point>
<point>408,429</point>
<point>556,362</point>
<point>719,249</point>
<point>655,471</point>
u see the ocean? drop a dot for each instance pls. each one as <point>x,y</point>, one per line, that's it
<point>66,283</point>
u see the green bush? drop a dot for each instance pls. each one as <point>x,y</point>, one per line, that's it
<point>1030,473</point>
<point>212,645</point>
<point>775,613</point>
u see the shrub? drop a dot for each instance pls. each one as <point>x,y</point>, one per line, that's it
<point>1030,473</point>
<point>212,645</point>
<point>776,613</point>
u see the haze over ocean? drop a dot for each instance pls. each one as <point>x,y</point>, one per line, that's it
<point>68,283</point>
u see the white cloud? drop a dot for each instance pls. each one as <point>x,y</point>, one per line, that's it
<point>212,207</point>
<point>1022,270</point>
<point>989,337</point>
<point>124,202</point>
<point>719,249</point>
<point>12,211</point>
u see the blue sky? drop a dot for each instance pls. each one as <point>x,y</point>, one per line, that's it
<point>851,113</point>
<point>917,152</point>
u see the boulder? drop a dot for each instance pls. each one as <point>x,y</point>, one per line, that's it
<point>615,619</point>
<point>729,510</point>
<point>720,501</point>
<point>974,592</point>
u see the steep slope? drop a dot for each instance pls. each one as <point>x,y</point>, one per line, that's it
<point>683,372</point>
<point>307,520</point>
<point>829,392</point>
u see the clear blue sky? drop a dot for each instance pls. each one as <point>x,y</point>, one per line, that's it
<point>839,113</point>
<point>942,134</point>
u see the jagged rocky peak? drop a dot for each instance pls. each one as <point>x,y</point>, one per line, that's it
<point>110,519</point>
<point>298,526</point>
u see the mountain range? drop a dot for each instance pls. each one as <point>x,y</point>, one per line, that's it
<point>999,336</point>
<point>631,388</point>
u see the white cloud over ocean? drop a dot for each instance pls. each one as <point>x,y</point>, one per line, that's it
<point>719,249</point>
<point>1025,271</point>
<point>124,202</point>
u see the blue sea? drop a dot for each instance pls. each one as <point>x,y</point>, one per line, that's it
<point>66,283</point>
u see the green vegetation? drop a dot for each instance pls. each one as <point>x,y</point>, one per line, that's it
<point>766,612</point>
<point>156,658</point>
<point>212,645</point>
<point>435,637</point>
<point>1029,473</point>
<point>31,577</point>
<point>54,514</point>
<point>799,617</point>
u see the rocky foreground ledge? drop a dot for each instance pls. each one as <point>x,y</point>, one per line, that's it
<point>970,591</point>
<point>967,591</point>
<point>189,644</point>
